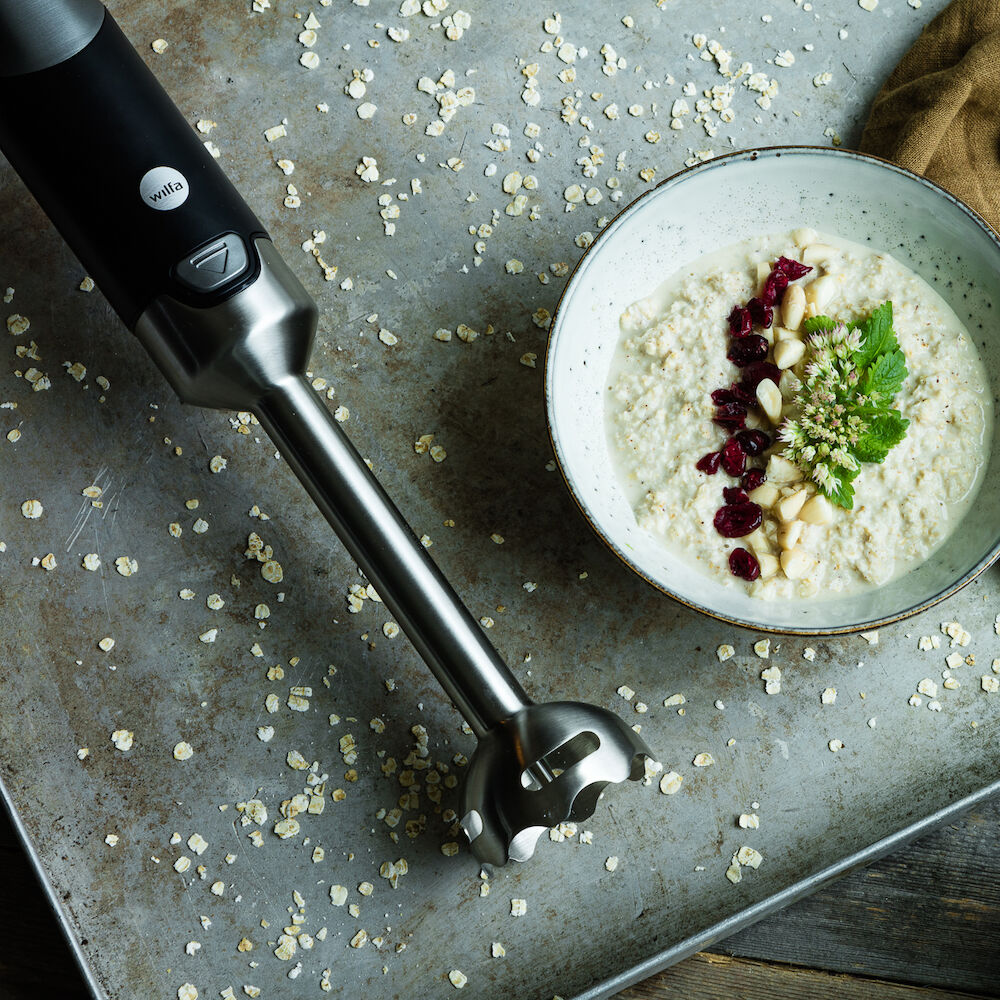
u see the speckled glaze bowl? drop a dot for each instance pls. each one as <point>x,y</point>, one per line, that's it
<point>712,205</point>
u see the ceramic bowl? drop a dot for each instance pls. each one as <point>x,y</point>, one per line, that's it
<point>717,203</point>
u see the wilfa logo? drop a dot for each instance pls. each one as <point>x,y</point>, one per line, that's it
<point>169,188</point>
<point>163,188</point>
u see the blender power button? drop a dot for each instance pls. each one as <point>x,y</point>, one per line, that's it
<point>213,264</point>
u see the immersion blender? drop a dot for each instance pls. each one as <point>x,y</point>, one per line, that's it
<point>191,271</point>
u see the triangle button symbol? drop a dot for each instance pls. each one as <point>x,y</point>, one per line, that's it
<point>215,260</point>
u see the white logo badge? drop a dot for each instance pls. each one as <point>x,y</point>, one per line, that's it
<point>163,188</point>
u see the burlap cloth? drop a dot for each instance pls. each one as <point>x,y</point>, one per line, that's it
<point>939,112</point>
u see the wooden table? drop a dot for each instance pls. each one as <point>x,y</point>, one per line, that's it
<point>923,924</point>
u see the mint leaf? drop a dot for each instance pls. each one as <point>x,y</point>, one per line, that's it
<point>885,376</point>
<point>819,324</point>
<point>877,336</point>
<point>885,431</point>
<point>870,449</point>
<point>843,496</point>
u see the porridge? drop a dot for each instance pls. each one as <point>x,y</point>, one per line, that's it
<point>798,412</point>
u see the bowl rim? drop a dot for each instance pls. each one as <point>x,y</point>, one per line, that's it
<point>752,154</point>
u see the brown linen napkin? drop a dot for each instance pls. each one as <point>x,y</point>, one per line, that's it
<point>939,112</point>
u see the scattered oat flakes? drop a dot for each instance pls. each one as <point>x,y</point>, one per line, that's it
<point>725,652</point>
<point>123,739</point>
<point>518,907</point>
<point>703,760</point>
<point>32,509</point>
<point>835,745</point>
<point>159,46</point>
<point>670,783</point>
<point>762,648</point>
<point>271,571</point>
<point>183,751</point>
<point>126,566</point>
<point>771,676</point>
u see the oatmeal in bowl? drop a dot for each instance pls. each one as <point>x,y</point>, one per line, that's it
<point>800,412</point>
<point>770,389</point>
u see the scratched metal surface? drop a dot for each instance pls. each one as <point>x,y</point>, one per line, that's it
<point>586,929</point>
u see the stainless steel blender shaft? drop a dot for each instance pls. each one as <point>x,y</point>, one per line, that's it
<point>443,631</point>
<point>248,353</point>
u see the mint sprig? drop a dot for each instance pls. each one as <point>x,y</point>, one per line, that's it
<point>846,413</point>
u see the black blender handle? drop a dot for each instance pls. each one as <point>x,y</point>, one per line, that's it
<point>114,164</point>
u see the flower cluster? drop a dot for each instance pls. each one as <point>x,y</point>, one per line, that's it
<point>845,415</point>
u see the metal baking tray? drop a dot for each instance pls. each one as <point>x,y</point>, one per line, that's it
<point>586,628</point>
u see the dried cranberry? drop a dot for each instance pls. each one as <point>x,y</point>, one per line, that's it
<point>774,287</point>
<point>742,395</point>
<point>792,269</point>
<point>732,416</point>
<point>740,322</point>
<point>762,313</point>
<point>734,494</point>
<point>709,463</point>
<point>738,519</point>
<point>747,351</point>
<point>754,442</point>
<point>734,458</point>
<point>723,396</point>
<point>755,373</point>
<point>753,478</point>
<point>743,564</point>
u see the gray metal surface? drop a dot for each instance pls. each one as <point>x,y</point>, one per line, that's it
<point>586,930</point>
<point>36,34</point>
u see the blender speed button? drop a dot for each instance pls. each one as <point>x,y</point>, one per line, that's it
<point>213,264</point>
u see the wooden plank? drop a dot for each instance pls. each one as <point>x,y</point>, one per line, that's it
<point>711,977</point>
<point>926,915</point>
